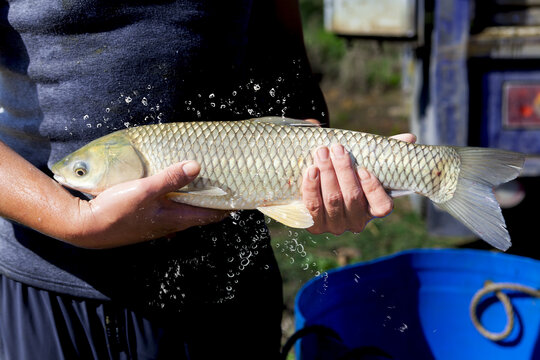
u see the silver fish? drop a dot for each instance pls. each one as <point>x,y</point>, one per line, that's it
<point>258,164</point>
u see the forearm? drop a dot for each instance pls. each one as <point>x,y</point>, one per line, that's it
<point>32,198</point>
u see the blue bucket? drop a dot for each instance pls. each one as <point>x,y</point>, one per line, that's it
<point>415,305</point>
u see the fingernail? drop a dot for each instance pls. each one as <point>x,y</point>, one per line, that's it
<point>337,150</point>
<point>363,173</point>
<point>323,153</point>
<point>313,173</point>
<point>191,168</point>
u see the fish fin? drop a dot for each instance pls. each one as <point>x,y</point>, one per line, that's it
<point>474,203</point>
<point>295,214</point>
<point>397,193</point>
<point>276,120</point>
<point>207,191</point>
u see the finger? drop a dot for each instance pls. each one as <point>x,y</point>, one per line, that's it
<point>313,121</point>
<point>354,200</point>
<point>172,178</point>
<point>411,138</point>
<point>380,204</point>
<point>345,173</point>
<point>311,195</point>
<point>330,191</point>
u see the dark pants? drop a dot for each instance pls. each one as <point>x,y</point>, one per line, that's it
<point>38,324</point>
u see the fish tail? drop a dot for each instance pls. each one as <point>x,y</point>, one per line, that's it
<point>474,202</point>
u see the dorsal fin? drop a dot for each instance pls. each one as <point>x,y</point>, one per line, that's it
<point>276,120</point>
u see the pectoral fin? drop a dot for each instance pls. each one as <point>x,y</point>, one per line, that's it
<point>295,214</point>
<point>207,191</point>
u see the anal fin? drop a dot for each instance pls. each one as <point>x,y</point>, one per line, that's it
<point>398,193</point>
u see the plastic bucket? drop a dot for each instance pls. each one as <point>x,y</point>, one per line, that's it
<point>415,305</point>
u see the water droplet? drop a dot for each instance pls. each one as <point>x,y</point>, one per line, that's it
<point>86,117</point>
<point>88,125</point>
<point>257,87</point>
<point>234,93</point>
<point>144,101</point>
<point>272,92</point>
<point>211,96</point>
<point>128,99</point>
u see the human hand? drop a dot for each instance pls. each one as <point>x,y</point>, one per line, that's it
<point>139,210</point>
<point>340,198</point>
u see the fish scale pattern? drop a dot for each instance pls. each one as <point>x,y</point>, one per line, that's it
<point>258,163</point>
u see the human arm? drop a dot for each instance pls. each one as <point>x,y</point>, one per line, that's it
<point>127,213</point>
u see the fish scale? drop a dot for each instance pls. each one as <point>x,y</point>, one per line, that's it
<point>259,163</point>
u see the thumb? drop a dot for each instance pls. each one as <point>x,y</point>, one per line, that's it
<point>173,178</point>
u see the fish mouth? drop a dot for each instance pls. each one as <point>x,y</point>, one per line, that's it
<point>60,179</point>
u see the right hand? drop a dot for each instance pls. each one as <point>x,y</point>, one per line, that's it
<point>139,210</point>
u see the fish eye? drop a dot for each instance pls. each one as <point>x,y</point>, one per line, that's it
<point>80,168</point>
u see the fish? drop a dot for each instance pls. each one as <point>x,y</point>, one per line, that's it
<point>259,164</point>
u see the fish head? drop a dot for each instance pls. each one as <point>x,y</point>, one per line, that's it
<point>100,164</point>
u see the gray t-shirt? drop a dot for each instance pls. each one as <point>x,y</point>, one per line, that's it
<point>74,70</point>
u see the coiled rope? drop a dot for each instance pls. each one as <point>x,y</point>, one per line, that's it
<point>497,288</point>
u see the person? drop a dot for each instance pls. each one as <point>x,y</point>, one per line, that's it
<point>130,274</point>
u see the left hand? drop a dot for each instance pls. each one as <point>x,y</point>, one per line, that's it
<point>339,197</point>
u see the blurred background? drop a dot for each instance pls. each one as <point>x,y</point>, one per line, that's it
<point>456,72</point>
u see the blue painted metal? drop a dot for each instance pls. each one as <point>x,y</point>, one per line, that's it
<point>445,119</point>
<point>448,82</point>
<point>415,305</point>
<point>494,134</point>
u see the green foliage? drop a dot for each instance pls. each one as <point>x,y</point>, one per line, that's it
<point>358,64</point>
<point>383,73</point>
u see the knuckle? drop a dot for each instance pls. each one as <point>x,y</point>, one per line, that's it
<point>383,210</point>
<point>357,228</point>
<point>334,200</point>
<point>315,230</point>
<point>354,195</point>
<point>313,205</point>
<point>173,178</point>
<point>370,185</point>
<point>343,164</point>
